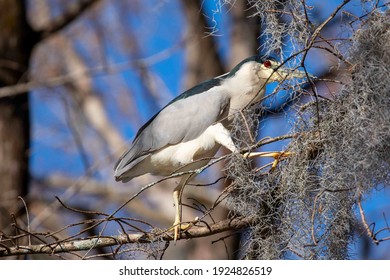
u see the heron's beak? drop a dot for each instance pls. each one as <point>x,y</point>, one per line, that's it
<point>284,73</point>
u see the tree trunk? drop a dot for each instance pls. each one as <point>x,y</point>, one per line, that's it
<point>202,59</point>
<point>16,42</point>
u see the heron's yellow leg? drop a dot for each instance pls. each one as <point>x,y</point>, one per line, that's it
<point>276,155</point>
<point>177,225</point>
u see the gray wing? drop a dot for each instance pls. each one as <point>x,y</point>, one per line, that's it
<point>180,121</point>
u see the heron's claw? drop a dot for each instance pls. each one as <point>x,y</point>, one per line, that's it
<point>179,227</point>
<point>276,155</point>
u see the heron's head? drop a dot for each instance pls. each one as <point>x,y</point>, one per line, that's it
<point>266,68</point>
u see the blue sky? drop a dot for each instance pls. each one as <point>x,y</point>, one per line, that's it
<point>158,31</point>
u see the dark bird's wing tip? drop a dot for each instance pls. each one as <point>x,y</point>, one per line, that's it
<point>122,179</point>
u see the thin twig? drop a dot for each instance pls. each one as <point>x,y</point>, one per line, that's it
<point>27,218</point>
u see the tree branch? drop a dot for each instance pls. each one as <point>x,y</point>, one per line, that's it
<point>72,13</point>
<point>121,239</point>
<point>369,232</point>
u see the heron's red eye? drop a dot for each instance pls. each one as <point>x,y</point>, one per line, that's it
<point>267,64</point>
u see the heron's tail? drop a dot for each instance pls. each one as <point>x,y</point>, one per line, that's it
<point>126,167</point>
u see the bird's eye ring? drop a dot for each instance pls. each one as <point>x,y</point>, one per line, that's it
<point>267,64</point>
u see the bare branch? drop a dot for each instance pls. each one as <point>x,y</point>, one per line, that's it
<point>369,232</point>
<point>105,241</point>
<point>73,12</point>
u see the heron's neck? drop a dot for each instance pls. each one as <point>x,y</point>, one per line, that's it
<point>244,90</point>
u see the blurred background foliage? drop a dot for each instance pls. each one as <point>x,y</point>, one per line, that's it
<point>79,77</point>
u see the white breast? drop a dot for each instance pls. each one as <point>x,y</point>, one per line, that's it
<point>174,157</point>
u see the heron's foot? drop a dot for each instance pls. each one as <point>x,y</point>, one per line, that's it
<point>179,227</point>
<point>276,155</point>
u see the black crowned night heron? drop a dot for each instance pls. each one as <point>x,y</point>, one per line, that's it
<point>187,132</point>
